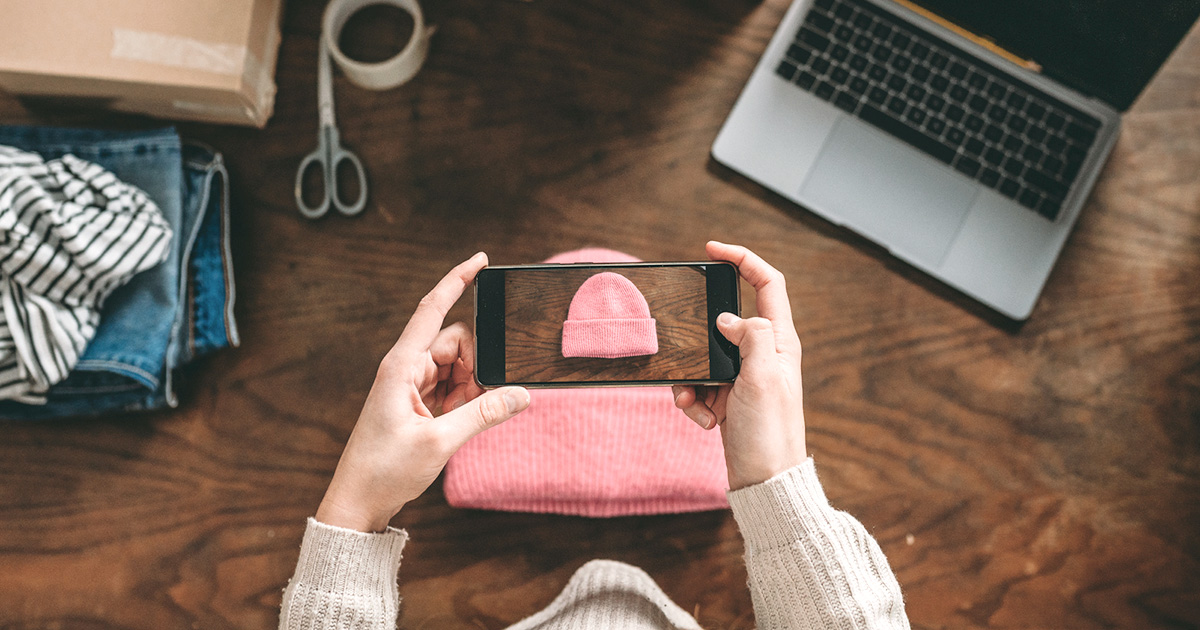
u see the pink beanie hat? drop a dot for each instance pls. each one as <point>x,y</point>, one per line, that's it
<point>608,318</point>
<point>592,452</point>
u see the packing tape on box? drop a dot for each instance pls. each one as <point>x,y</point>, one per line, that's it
<point>178,52</point>
<point>175,51</point>
<point>386,74</point>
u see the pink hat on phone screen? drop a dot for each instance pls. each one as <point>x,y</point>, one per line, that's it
<point>608,318</point>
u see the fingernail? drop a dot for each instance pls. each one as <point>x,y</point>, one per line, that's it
<point>516,399</point>
<point>458,403</point>
<point>708,418</point>
<point>725,319</point>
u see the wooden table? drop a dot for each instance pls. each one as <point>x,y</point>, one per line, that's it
<point>1046,475</point>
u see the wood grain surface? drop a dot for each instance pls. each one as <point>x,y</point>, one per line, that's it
<point>537,301</point>
<point>1040,476</point>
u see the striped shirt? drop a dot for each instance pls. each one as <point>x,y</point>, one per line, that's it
<point>70,233</point>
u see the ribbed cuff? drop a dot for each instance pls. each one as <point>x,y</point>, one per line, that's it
<point>339,560</point>
<point>772,513</point>
<point>609,338</point>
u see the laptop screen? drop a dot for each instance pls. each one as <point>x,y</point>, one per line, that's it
<point>1109,49</point>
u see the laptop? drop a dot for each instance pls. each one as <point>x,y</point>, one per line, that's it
<point>963,136</point>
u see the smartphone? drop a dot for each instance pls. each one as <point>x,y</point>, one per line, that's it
<point>611,324</point>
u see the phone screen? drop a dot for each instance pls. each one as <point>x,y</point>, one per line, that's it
<point>637,323</point>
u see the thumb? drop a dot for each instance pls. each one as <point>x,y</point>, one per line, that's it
<point>486,411</point>
<point>749,335</point>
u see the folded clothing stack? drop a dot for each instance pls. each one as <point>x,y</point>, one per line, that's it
<point>168,315</point>
<point>70,234</point>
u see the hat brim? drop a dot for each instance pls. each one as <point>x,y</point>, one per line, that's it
<point>609,338</point>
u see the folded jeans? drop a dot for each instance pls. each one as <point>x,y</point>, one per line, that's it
<point>169,315</point>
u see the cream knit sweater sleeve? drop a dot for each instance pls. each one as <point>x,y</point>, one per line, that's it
<point>812,566</point>
<point>345,579</point>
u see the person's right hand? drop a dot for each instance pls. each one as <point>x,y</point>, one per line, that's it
<point>398,447</point>
<point>762,414</point>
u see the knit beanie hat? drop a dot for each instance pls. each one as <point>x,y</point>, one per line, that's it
<point>608,318</point>
<point>592,452</point>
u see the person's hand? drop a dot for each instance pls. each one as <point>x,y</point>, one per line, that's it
<point>761,414</point>
<point>398,447</point>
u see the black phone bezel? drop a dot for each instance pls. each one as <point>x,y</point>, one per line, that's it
<point>724,359</point>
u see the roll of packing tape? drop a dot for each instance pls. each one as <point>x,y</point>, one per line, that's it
<point>385,74</point>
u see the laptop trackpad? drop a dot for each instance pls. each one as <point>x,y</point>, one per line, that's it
<point>888,192</point>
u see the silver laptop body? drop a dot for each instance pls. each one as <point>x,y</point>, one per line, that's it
<point>922,210</point>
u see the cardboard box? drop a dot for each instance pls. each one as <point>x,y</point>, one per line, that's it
<point>178,59</point>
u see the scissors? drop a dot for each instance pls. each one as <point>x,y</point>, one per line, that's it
<point>329,154</point>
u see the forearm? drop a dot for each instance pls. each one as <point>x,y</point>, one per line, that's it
<point>812,566</point>
<point>344,579</point>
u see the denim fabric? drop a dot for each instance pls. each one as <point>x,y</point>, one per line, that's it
<point>211,324</point>
<point>165,316</point>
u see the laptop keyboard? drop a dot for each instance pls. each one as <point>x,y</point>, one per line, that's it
<point>1001,132</point>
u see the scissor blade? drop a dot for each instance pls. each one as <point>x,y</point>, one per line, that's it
<point>324,85</point>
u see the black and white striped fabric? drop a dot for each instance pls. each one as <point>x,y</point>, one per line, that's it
<point>70,233</point>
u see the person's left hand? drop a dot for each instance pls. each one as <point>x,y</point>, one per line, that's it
<point>398,447</point>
